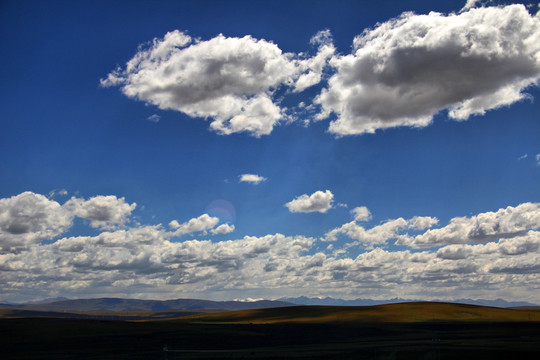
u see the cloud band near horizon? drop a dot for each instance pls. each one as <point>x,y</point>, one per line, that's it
<point>493,252</point>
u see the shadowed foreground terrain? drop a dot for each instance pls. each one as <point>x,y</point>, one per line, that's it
<point>395,331</point>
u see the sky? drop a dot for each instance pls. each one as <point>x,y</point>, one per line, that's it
<point>250,149</point>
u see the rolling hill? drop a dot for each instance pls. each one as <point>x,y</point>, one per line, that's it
<point>396,313</point>
<point>416,330</point>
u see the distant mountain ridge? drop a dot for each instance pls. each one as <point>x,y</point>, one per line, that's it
<point>303,300</point>
<point>137,305</point>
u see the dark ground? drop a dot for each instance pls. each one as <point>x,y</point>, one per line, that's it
<point>41,338</point>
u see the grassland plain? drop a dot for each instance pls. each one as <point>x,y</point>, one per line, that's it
<point>395,331</point>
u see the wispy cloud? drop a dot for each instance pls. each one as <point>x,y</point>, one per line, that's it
<point>154,118</point>
<point>470,4</point>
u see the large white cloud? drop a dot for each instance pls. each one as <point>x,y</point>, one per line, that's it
<point>230,80</point>
<point>29,218</point>
<point>319,201</point>
<point>407,69</point>
<point>489,226</point>
<point>105,212</point>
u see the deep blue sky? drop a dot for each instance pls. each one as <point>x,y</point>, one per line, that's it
<point>61,130</point>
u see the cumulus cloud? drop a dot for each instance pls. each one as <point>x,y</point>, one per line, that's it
<point>29,218</point>
<point>379,234</point>
<point>105,212</point>
<point>223,229</point>
<point>252,178</point>
<point>404,71</point>
<point>317,202</point>
<point>504,223</point>
<point>376,235</point>
<point>537,159</point>
<point>422,222</point>
<point>137,259</point>
<point>361,213</point>
<point>202,223</point>
<point>230,80</point>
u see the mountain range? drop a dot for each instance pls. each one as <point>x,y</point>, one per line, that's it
<point>137,305</point>
<point>302,300</point>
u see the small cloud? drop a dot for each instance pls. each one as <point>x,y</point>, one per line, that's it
<point>317,202</point>
<point>469,5</point>
<point>323,37</point>
<point>61,192</point>
<point>223,229</point>
<point>154,118</point>
<point>252,178</point>
<point>538,159</point>
<point>361,213</point>
<point>174,224</point>
<point>522,157</point>
<point>202,224</point>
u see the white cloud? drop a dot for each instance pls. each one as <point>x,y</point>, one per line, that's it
<point>252,178</point>
<point>61,192</point>
<point>471,4</point>
<point>376,235</point>
<point>422,222</point>
<point>227,79</point>
<point>154,118</point>
<point>407,69</point>
<point>142,261</point>
<point>223,229</point>
<point>537,159</point>
<point>202,223</point>
<point>316,64</point>
<point>361,213</point>
<point>105,212</point>
<point>380,234</point>
<point>523,157</point>
<point>505,223</point>
<point>29,218</point>
<point>317,202</point>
